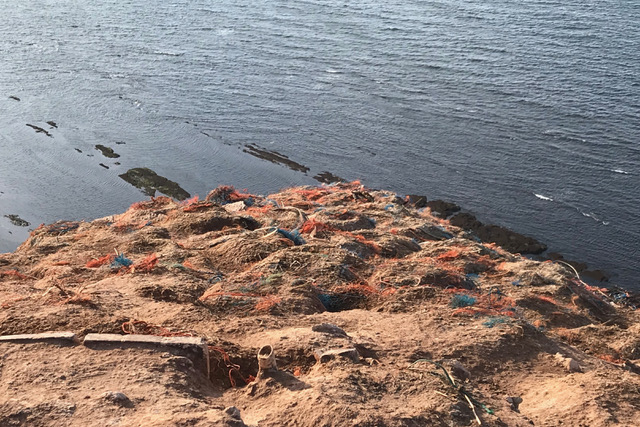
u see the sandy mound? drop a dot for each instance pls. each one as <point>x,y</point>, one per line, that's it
<point>379,313</point>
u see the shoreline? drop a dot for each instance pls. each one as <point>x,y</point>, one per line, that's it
<point>148,182</point>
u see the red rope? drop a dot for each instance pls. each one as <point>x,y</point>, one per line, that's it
<point>232,367</point>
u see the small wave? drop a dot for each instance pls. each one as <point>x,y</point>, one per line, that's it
<point>620,171</point>
<point>594,217</point>
<point>540,196</point>
<point>563,135</point>
<point>168,53</point>
<point>332,71</point>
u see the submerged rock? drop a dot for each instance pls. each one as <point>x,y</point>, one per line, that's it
<point>107,151</point>
<point>416,200</point>
<point>149,182</point>
<point>17,221</point>
<point>274,157</point>
<point>442,209</point>
<point>327,178</point>
<point>508,239</point>
<point>38,129</point>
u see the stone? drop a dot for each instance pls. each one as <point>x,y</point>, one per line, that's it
<point>568,363</point>
<point>515,402</point>
<point>397,247</point>
<point>38,129</point>
<point>458,370</point>
<point>632,366</point>
<point>17,221</point>
<point>329,328</point>
<point>434,232</point>
<point>235,207</point>
<point>345,353</point>
<point>442,209</point>
<point>274,157</point>
<point>572,365</point>
<point>328,178</point>
<point>363,195</point>
<point>416,200</point>
<point>146,339</point>
<point>117,398</point>
<point>508,239</point>
<point>232,411</point>
<point>192,344</point>
<point>107,151</point>
<point>65,337</point>
<point>149,182</point>
<point>555,256</point>
<point>232,418</point>
<point>595,275</point>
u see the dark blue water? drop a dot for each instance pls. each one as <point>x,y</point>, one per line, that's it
<point>526,113</point>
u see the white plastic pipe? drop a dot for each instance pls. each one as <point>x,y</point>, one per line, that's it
<point>267,358</point>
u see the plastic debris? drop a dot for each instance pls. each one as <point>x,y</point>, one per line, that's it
<point>450,255</point>
<point>95,263</point>
<point>147,264</point>
<point>624,297</point>
<point>294,236</point>
<point>226,194</point>
<point>230,366</point>
<point>267,359</point>
<point>121,261</point>
<point>267,303</point>
<point>496,320</point>
<point>602,308</point>
<point>459,388</point>
<point>311,224</point>
<point>218,277</point>
<point>462,300</point>
<point>14,273</point>
<point>473,278</point>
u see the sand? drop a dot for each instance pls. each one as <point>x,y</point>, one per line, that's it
<point>379,313</point>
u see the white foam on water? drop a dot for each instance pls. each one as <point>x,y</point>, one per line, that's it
<point>540,196</point>
<point>594,217</point>
<point>620,171</point>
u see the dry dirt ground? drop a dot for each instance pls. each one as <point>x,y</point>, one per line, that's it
<point>429,326</point>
